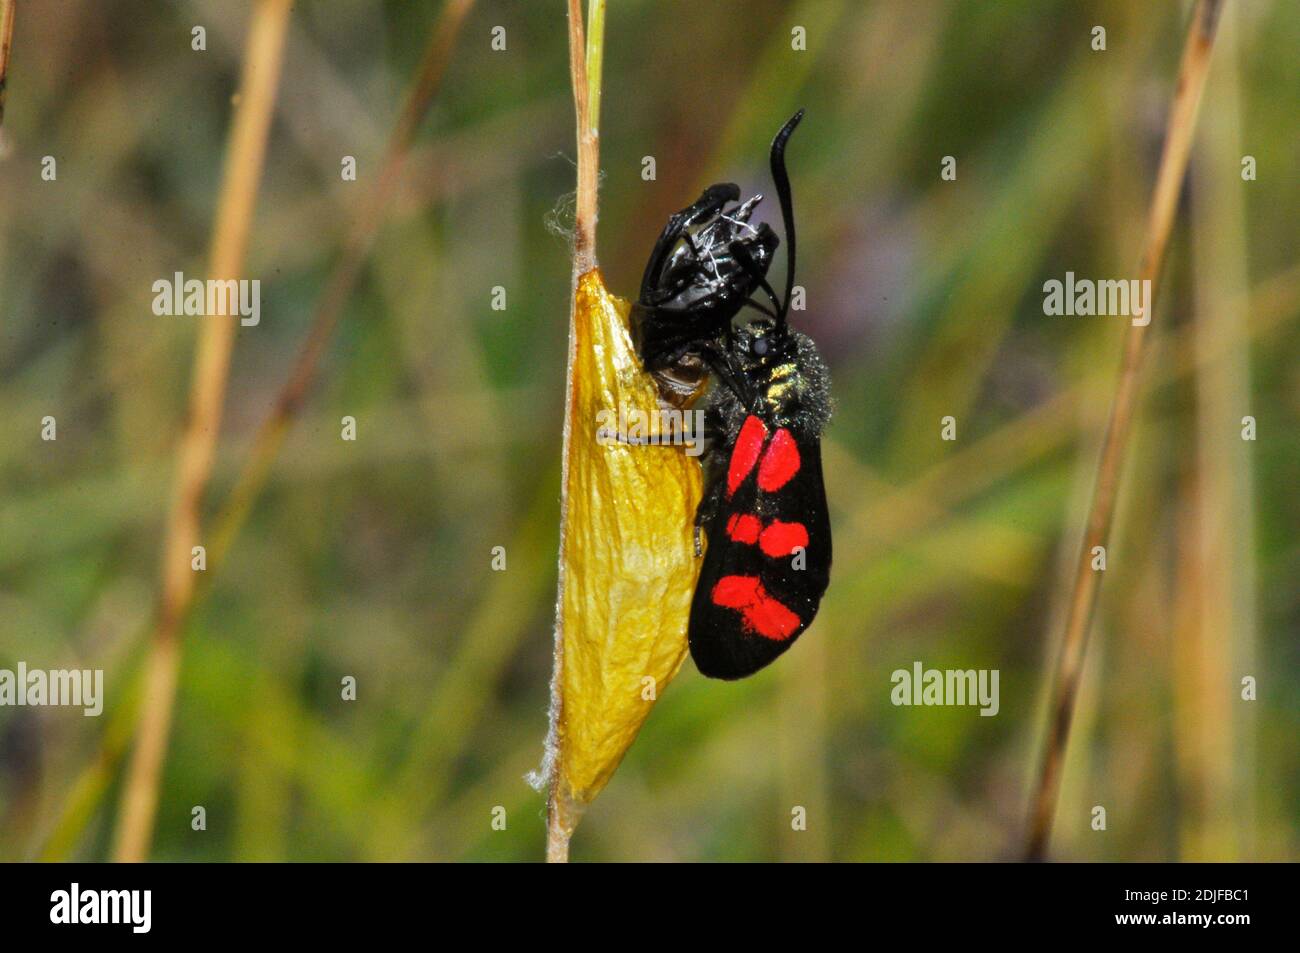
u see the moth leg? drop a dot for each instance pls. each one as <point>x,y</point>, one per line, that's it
<point>705,513</point>
<point>720,363</point>
<point>671,438</point>
<point>609,435</point>
<point>746,260</point>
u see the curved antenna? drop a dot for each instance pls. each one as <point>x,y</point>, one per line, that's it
<point>782,181</point>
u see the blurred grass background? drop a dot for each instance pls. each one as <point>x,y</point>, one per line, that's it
<point>372,558</point>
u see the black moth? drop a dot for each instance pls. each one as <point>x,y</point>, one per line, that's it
<point>764,515</point>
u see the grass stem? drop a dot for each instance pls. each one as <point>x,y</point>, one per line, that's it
<point>342,280</point>
<point>6,40</point>
<point>196,453</point>
<point>233,511</point>
<point>586,53</point>
<point>1180,127</point>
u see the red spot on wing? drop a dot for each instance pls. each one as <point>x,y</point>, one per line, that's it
<point>780,462</point>
<point>744,528</point>
<point>736,592</point>
<point>770,619</point>
<point>745,453</point>
<point>759,611</point>
<point>782,539</point>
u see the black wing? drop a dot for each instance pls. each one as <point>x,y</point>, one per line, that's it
<point>756,592</point>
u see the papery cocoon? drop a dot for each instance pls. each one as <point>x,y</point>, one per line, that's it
<point>627,562</point>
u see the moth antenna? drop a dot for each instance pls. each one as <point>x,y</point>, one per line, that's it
<point>782,180</point>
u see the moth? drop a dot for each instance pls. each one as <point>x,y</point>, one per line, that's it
<point>763,515</point>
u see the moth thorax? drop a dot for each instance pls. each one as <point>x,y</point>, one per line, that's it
<point>782,385</point>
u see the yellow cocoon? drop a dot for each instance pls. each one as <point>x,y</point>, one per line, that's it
<point>627,562</point>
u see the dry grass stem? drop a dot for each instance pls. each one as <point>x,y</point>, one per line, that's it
<point>238,198</point>
<point>1180,128</point>
<point>586,53</point>
<point>234,509</point>
<point>6,40</point>
<point>342,279</point>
